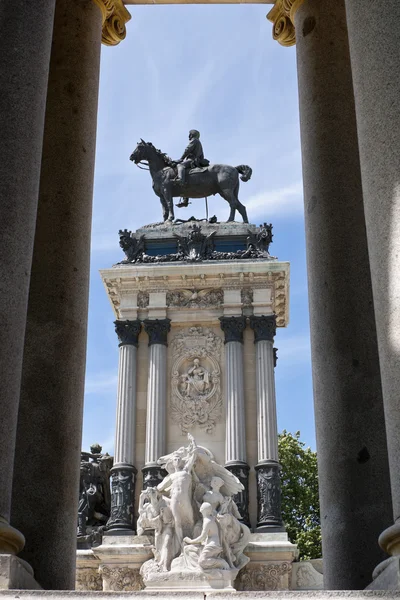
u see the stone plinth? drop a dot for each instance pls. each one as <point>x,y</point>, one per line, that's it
<point>120,558</point>
<point>16,574</point>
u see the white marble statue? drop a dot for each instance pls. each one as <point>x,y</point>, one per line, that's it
<point>198,535</point>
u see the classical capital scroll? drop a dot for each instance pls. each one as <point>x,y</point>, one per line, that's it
<point>115,16</point>
<point>282,17</point>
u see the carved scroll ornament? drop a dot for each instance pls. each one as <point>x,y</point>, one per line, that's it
<point>282,17</point>
<point>115,16</point>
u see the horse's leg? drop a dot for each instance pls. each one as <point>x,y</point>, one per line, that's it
<point>241,207</point>
<point>227,195</point>
<point>164,208</point>
<point>169,202</point>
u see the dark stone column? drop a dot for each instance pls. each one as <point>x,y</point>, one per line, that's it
<point>121,521</point>
<point>351,438</point>
<point>157,330</point>
<point>235,430</point>
<point>25,41</point>
<point>268,467</point>
<point>46,473</point>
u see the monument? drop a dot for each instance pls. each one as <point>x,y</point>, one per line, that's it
<point>197,305</point>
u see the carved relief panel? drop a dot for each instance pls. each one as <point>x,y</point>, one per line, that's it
<point>196,397</point>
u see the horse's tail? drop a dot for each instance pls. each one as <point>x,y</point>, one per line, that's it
<point>245,172</point>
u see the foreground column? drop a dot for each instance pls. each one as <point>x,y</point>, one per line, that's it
<point>25,41</point>
<point>268,468</point>
<point>375,58</point>
<point>235,430</point>
<point>124,471</point>
<point>46,474</point>
<point>351,443</point>
<point>157,330</point>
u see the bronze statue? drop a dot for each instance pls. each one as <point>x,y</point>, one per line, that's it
<point>94,495</point>
<point>191,176</point>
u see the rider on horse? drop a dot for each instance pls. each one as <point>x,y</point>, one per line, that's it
<point>193,156</point>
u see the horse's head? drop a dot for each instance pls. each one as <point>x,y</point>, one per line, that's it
<point>141,151</point>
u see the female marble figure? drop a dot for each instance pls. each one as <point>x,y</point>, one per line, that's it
<point>198,380</point>
<point>209,555</point>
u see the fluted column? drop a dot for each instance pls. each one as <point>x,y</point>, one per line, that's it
<point>25,41</point>
<point>235,430</point>
<point>373,27</point>
<point>157,330</point>
<point>268,468</point>
<point>45,491</point>
<point>123,473</point>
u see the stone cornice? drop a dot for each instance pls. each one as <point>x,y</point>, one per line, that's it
<point>115,16</point>
<point>282,17</point>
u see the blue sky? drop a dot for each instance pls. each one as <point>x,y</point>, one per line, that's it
<point>214,68</point>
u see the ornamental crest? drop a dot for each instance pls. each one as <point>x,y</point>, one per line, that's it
<point>196,379</point>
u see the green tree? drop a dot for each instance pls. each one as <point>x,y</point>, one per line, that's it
<point>300,502</point>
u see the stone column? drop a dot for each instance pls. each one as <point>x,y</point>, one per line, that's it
<point>25,41</point>
<point>268,468</point>
<point>235,429</point>
<point>351,441</point>
<point>375,56</point>
<point>157,330</point>
<point>123,473</point>
<point>46,473</point>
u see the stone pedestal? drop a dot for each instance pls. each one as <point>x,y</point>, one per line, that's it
<point>271,557</point>
<point>120,558</point>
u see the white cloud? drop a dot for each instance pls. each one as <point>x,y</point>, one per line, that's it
<point>294,349</point>
<point>287,201</point>
<point>98,383</point>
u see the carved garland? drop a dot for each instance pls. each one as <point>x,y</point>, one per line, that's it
<point>121,579</point>
<point>282,17</point>
<point>115,16</point>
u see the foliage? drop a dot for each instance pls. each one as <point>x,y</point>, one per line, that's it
<point>300,502</point>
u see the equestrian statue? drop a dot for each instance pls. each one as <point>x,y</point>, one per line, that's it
<point>191,176</point>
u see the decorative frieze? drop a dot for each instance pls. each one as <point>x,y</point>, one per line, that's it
<point>268,496</point>
<point>246,296</point>
<point>282,18</point>
<point>127,332</point>
<point>122,498</point>
<point>233,328</point>
<point>195,298</point>
<point>143,300</point>
<point>115,16</point>
<point>263,577</point>
<point>157,330</point>
<point>264,327</point>
<point>121,579</point>
<point>196,379</point>
<point>88,580</point>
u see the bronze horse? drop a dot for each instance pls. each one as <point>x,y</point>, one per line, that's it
<point>200,183</point>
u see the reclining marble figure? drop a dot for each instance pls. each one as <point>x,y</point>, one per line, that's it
<point>194,518</point>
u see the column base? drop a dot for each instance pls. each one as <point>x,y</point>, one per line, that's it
<point>241,471</point>
<point>153,475</point>
<point>11,540</point>
<point>269,517</point>
<point>16,574</point>
<point>121,521</point>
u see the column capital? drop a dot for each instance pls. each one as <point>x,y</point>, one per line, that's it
<point>233,328</point>
<point>128,332</point>
<point>115,16</point>
<point>264,327</point>
<point>282,18</point>
<point>157,330</point>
